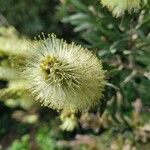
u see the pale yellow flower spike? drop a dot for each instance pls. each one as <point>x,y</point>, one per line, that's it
<point>64,76</point>
<point>118,7</point>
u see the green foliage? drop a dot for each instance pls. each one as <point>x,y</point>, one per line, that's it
<point>45,139</point>
<point>22,144</point>
<point>29,17</point>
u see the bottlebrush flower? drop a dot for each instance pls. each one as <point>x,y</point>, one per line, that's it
<point>64,76</point>
<point>118,7</point>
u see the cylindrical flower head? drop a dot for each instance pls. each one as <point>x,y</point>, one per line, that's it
<point>64,76</point>
<point>118,7</point>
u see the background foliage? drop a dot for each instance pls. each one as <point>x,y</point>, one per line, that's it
<point>122,43</point>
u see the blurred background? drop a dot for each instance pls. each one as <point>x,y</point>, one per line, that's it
<point>121,121</point>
